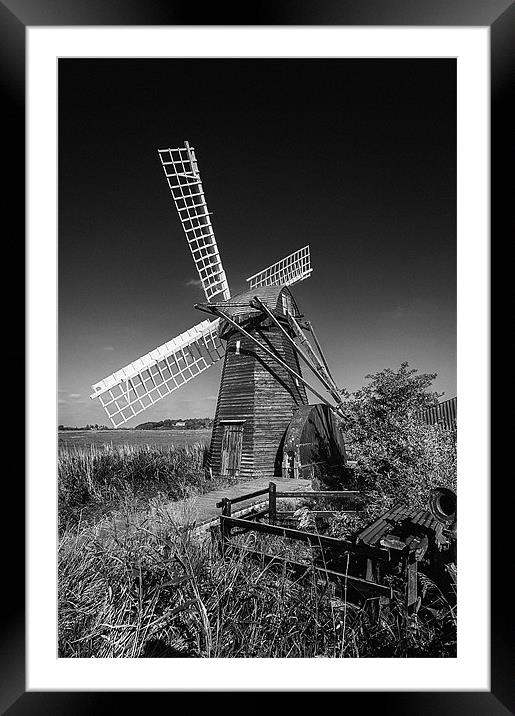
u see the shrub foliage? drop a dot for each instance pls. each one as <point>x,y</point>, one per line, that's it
<point>398,456</point>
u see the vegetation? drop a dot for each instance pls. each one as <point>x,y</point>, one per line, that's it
<point>179,424</point>
<point>156,592</point>
<point>98,479</point>
<point>168,424</point>
<point>131,585</point>
<point>96,426</point>
<point>398,456</point>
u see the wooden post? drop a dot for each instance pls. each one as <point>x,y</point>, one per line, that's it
<point>272,503</point>
<point>371,575</point>
<point>225,532</point>
<point>411,583</point>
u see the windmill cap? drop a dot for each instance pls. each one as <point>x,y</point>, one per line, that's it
<point>271,296</point>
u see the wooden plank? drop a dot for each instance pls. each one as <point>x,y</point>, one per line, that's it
<point>319,347</point>
<point>372,531</point>
<point>417,516</point>
<point>320,493</point>
<point>272,502</point>
<point>316,540</point>
<point>363,586</point>
<point>411,584</point>
<point>430,521</point>
<point>231,448</point>
<point>318,512</point>
<point>247,496</point>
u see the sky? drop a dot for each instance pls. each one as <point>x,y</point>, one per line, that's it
<point>356,158</point>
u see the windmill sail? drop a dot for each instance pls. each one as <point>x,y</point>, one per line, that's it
<point>133,389</point>
<point>181,172</point>
<point>292,269</point>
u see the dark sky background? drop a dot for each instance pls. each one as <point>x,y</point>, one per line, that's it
<point>355,157</point>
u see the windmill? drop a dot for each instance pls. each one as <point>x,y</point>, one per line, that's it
<point>263,423</point>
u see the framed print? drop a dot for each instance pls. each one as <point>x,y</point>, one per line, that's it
<point>357,146</point>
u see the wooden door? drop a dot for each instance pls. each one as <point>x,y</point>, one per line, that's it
<point>231,449</point>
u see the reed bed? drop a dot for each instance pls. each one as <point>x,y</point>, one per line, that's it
<point>95,479</point>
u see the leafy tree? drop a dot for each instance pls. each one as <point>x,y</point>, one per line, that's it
<point>390,396</point>
<point>398,456</point>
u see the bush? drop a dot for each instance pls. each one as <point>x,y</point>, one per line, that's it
<point>398,457</point>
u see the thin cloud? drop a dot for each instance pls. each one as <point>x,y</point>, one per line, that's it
<point>416,309</point>
<point>194,282</point>
<point>62,402</point>
<point>398,312</point>
<point>74,395</point>
<point>108,348</point>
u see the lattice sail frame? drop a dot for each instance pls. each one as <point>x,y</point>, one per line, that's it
<point>292,269</point>
<point>131,390</point>
<point>181,171</point>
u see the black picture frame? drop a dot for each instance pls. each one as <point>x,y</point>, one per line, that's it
<point>15,17</point>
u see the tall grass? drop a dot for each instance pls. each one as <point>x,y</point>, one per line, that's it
<point>95,479</point>
<point>153,590</point>
<point>139,583</point>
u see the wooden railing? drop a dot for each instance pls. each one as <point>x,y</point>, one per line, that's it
<point>272,495</point>
<point>359,568</point>
<point>335,553</point>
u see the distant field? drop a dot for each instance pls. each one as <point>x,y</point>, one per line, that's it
<point>85,438</point>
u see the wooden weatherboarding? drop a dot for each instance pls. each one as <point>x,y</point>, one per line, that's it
<point>263,425</point>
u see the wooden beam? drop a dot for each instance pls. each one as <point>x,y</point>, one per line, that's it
<point>364,587</point>
<point>319,348</point>
<point>320,493</point>
<point>318,512</point>
<point>242,498</point>
<point>272,503</point>
<point>336,544</point>
<point>317,370</point>
<point>411,584</point>
<point>323,366</point>
<point>221,314</point>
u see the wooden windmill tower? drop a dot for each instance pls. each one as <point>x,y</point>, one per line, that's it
<point>263,424</point>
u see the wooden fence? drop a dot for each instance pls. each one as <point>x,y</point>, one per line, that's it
<point>360,567</point>
<point>332,565</point>
<point>444,414</point>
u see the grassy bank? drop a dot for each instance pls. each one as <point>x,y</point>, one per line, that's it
<point>99,478</point>
<point>139,584</point>
<point>153,591</point>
